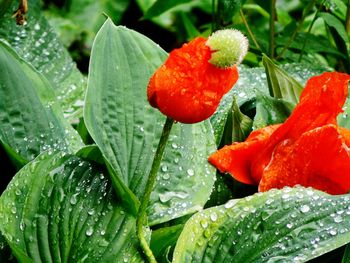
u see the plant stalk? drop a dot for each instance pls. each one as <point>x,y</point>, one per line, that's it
<point>347,21</point>
<point>272,28</point>
<point>293,35</point>
<point>249,30</point>
<point>142,216</point>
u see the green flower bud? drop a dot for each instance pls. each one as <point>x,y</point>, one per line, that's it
<point>229,47</point>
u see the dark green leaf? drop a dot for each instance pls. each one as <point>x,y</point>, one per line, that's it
<point>91,153</point>
<point>4,5</point>
<point>190,29</point>
<point>5,251</point>
<point>270,110</point>
<point>289,225</point>
<point>83,18</point>
<point>39,45</point>
<point>164,239</point>
<point>281,84</point>
<point>31,121</point>
<point>60,208</point>
<point>127,129</point>
<point>161,6</point>
<point>346,256</point>
<point>333,21</point>
<point>228,8</point>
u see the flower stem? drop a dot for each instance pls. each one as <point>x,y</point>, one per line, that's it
<point>347,21</point>
<point>142,216</point>
<point>297,29</point>
<point>272,28</point>
<point>249,30</point>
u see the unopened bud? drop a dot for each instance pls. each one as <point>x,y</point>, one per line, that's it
<point>228,46</point>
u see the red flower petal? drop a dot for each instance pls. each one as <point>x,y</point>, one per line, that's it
<point>320,103</point>
<point>308,149</point>
<point>236,158</point>
<point>319,158</point>
<point>187,87</point>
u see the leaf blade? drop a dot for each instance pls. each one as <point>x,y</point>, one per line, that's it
<point>66,212</point>
<point>259,228</point>
<point>31,119</point>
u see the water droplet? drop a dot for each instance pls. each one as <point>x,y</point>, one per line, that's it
<point>204,223</point>
<point>164,168</point>
<point>213,217</point>
<point>230,203</point>
<point>338,219</point>
<point>190,172</point>
<point>166,176</point>
<point>304,208</point>
<point>89,231</point>
<point>73,200</point>
<point>289,225</point>
<point>333,232</point>
<point>206,233</point>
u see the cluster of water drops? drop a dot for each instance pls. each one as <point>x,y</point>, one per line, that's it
<point>292,224</point>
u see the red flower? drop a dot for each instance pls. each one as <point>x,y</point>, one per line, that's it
<point>309,149</point>
<point>187,88</point>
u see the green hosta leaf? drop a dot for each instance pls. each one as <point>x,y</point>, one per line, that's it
<point>333,21</point>
<point>185,179</point>
<point>31,121</point>
<point>270,110</point>
<point>289,225</point>
<point>161,6</point>
<point>127,129</point>
<point>60,208</point>
<point>38,44</point>
<point>281,84</point>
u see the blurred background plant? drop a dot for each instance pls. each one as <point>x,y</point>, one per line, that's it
<point>301,31</point>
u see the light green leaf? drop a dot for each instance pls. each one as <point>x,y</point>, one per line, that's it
<point>281,84</point>
<point>270,110</point>
<point>31,121</point>
<point>60,208</point>
<point>185,179</point>
<point>127,129</point>
<point>289,225</point>
<point>333,21</point>
<point>161,6</point>
<point>39,45</point>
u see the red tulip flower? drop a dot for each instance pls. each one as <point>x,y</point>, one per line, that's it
<point>308,149</point>
<point>188,87</point>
